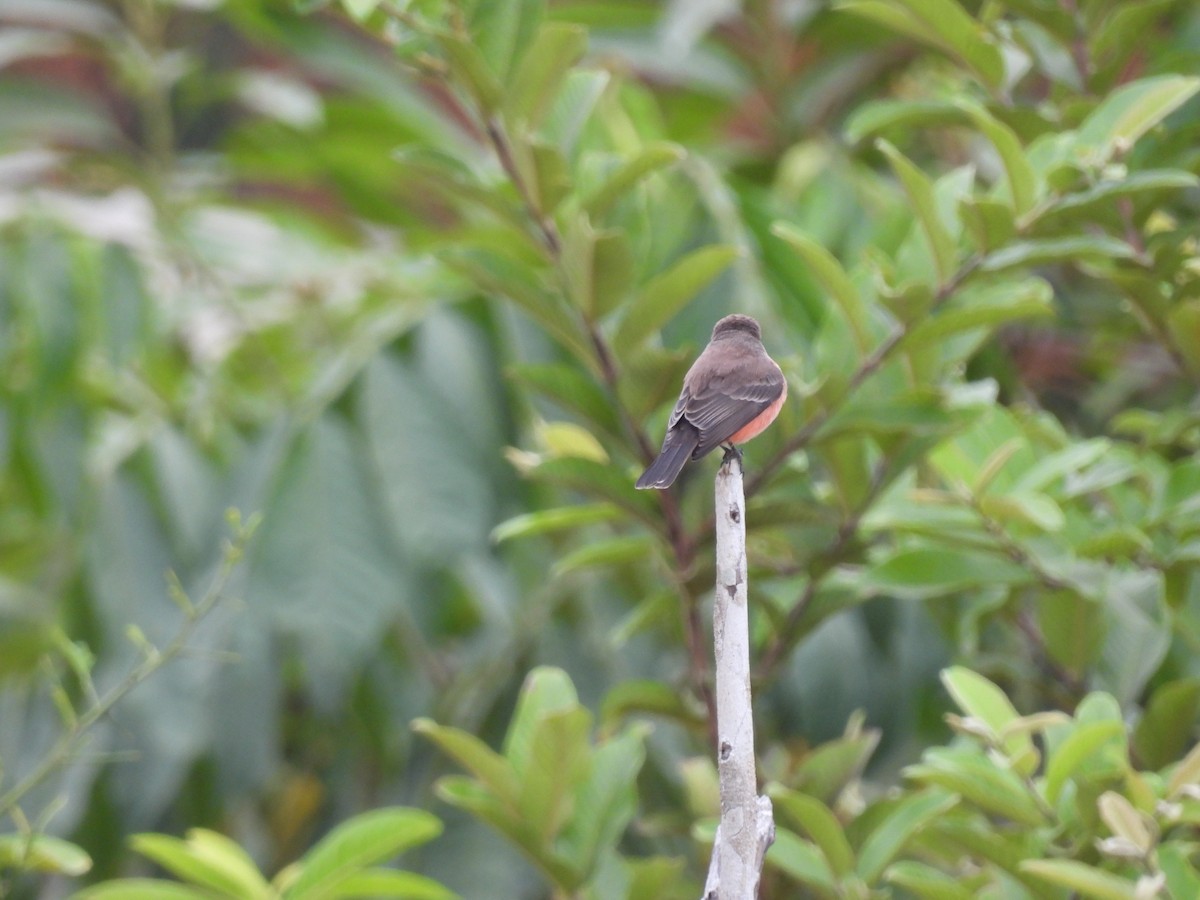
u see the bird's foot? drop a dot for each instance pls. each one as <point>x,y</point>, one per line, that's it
<point>731,452</point>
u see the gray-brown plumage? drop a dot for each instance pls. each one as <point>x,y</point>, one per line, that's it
<point>731,393</point>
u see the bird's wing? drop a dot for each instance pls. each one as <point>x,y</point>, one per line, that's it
<point>724,405</point>
<point>725,401</point>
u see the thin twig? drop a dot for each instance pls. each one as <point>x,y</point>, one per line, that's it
<point>831,557</point>
<point>682,545</point>
<point>1049,580</point>
<point>1079,46</point>
<point>1153,322</point>
<point>1012,549</point>
<point>1060,674</point>
<point>66,747</point>
<point>868,367</point>
<point>545,225</point>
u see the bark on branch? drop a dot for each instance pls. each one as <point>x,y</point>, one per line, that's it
<point>747,826</point>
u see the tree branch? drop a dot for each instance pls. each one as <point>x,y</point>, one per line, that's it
<point>831,556</point>
<point>868,367</point>
<point>682,545</point>
<point>747,826</point>
<point>68,743</point>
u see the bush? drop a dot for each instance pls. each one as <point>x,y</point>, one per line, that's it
<point>419,280</point>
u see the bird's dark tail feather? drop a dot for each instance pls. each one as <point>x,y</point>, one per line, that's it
<point>677,450</point>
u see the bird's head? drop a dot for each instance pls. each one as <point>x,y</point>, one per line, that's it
<point>736,324</point>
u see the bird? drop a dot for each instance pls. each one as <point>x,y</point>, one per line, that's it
<point>730,394</point>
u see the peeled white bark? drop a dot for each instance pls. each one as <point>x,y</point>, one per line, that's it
<point>747,826</point>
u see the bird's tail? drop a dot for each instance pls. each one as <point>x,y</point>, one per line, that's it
<point>676,450</point>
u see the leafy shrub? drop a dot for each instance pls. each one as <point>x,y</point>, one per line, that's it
<point>421,289</point>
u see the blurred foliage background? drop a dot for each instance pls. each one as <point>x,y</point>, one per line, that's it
<point>414,284</point>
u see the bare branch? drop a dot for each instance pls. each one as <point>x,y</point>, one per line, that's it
<point>747,826</point>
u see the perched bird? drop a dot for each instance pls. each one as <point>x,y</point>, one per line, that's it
<point>730,394</point>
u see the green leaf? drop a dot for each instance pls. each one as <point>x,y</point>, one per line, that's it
<point>545,168</point>
<point>221,852</point>
<point>504,31</point>
<point>1061,464</point>
<point>493,770</point>
<point>470,68</point>
<point>206,859</point>
<point>995,464</point>
<point>1183,324</point>
<point>574,391</point>
<point>1182,878</point>
<point>1100,196</point>
<point>976,778</point>
<point>990,223</point>
<point>919,189</point>
<point>546,691</point>
<point>1087,880</point>
<point>497,273</point>
<point>571,440</point>
<point>652,158</point>
<point>444,174</point>
<point>1132,110</point>
<point>1165,731</point>
<point>926,882</point>
<point>940,23</point>
<point>801,860</point>
<point>360,9</point>
<point>646,697</point>
<point>600,481</point>
<point>1036,510</point>
<point>607,800</point>
<point>1085,742</point>
<point>989,307</point>
<point>829,768</point>
<point>654,877</point>
<point>568,439</point>
<point>612,271</point>
<point>874,116</point>
<point>933,572</point>
<point>558,762</point>
<point>1185,774</point>
<point>141,889</point>
<point>1123,30</point>
<point>980,698</point>
<point>958,461</point>
<point>1139,630</point>
<point>362,841</point>
<point>423,460</point>
<point>470,795</point>
<point>652,376</point>
<point>976,836</point>
<point>820,825</point>
<point>576,105</point>
<point>829,272</point>
<point>1022,181</point>
<point>1124,821</point>
<point>612,551</point>
<point>558,519</point>
<point>598,266</point>
<point>43,853</point>
<point>667,293</point>
<point>904,821</point>
<point>1044,251</point>
<point>1073,628</point>
<point>916,413</point>
<point>540,75</point>
<point>392,883</point>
